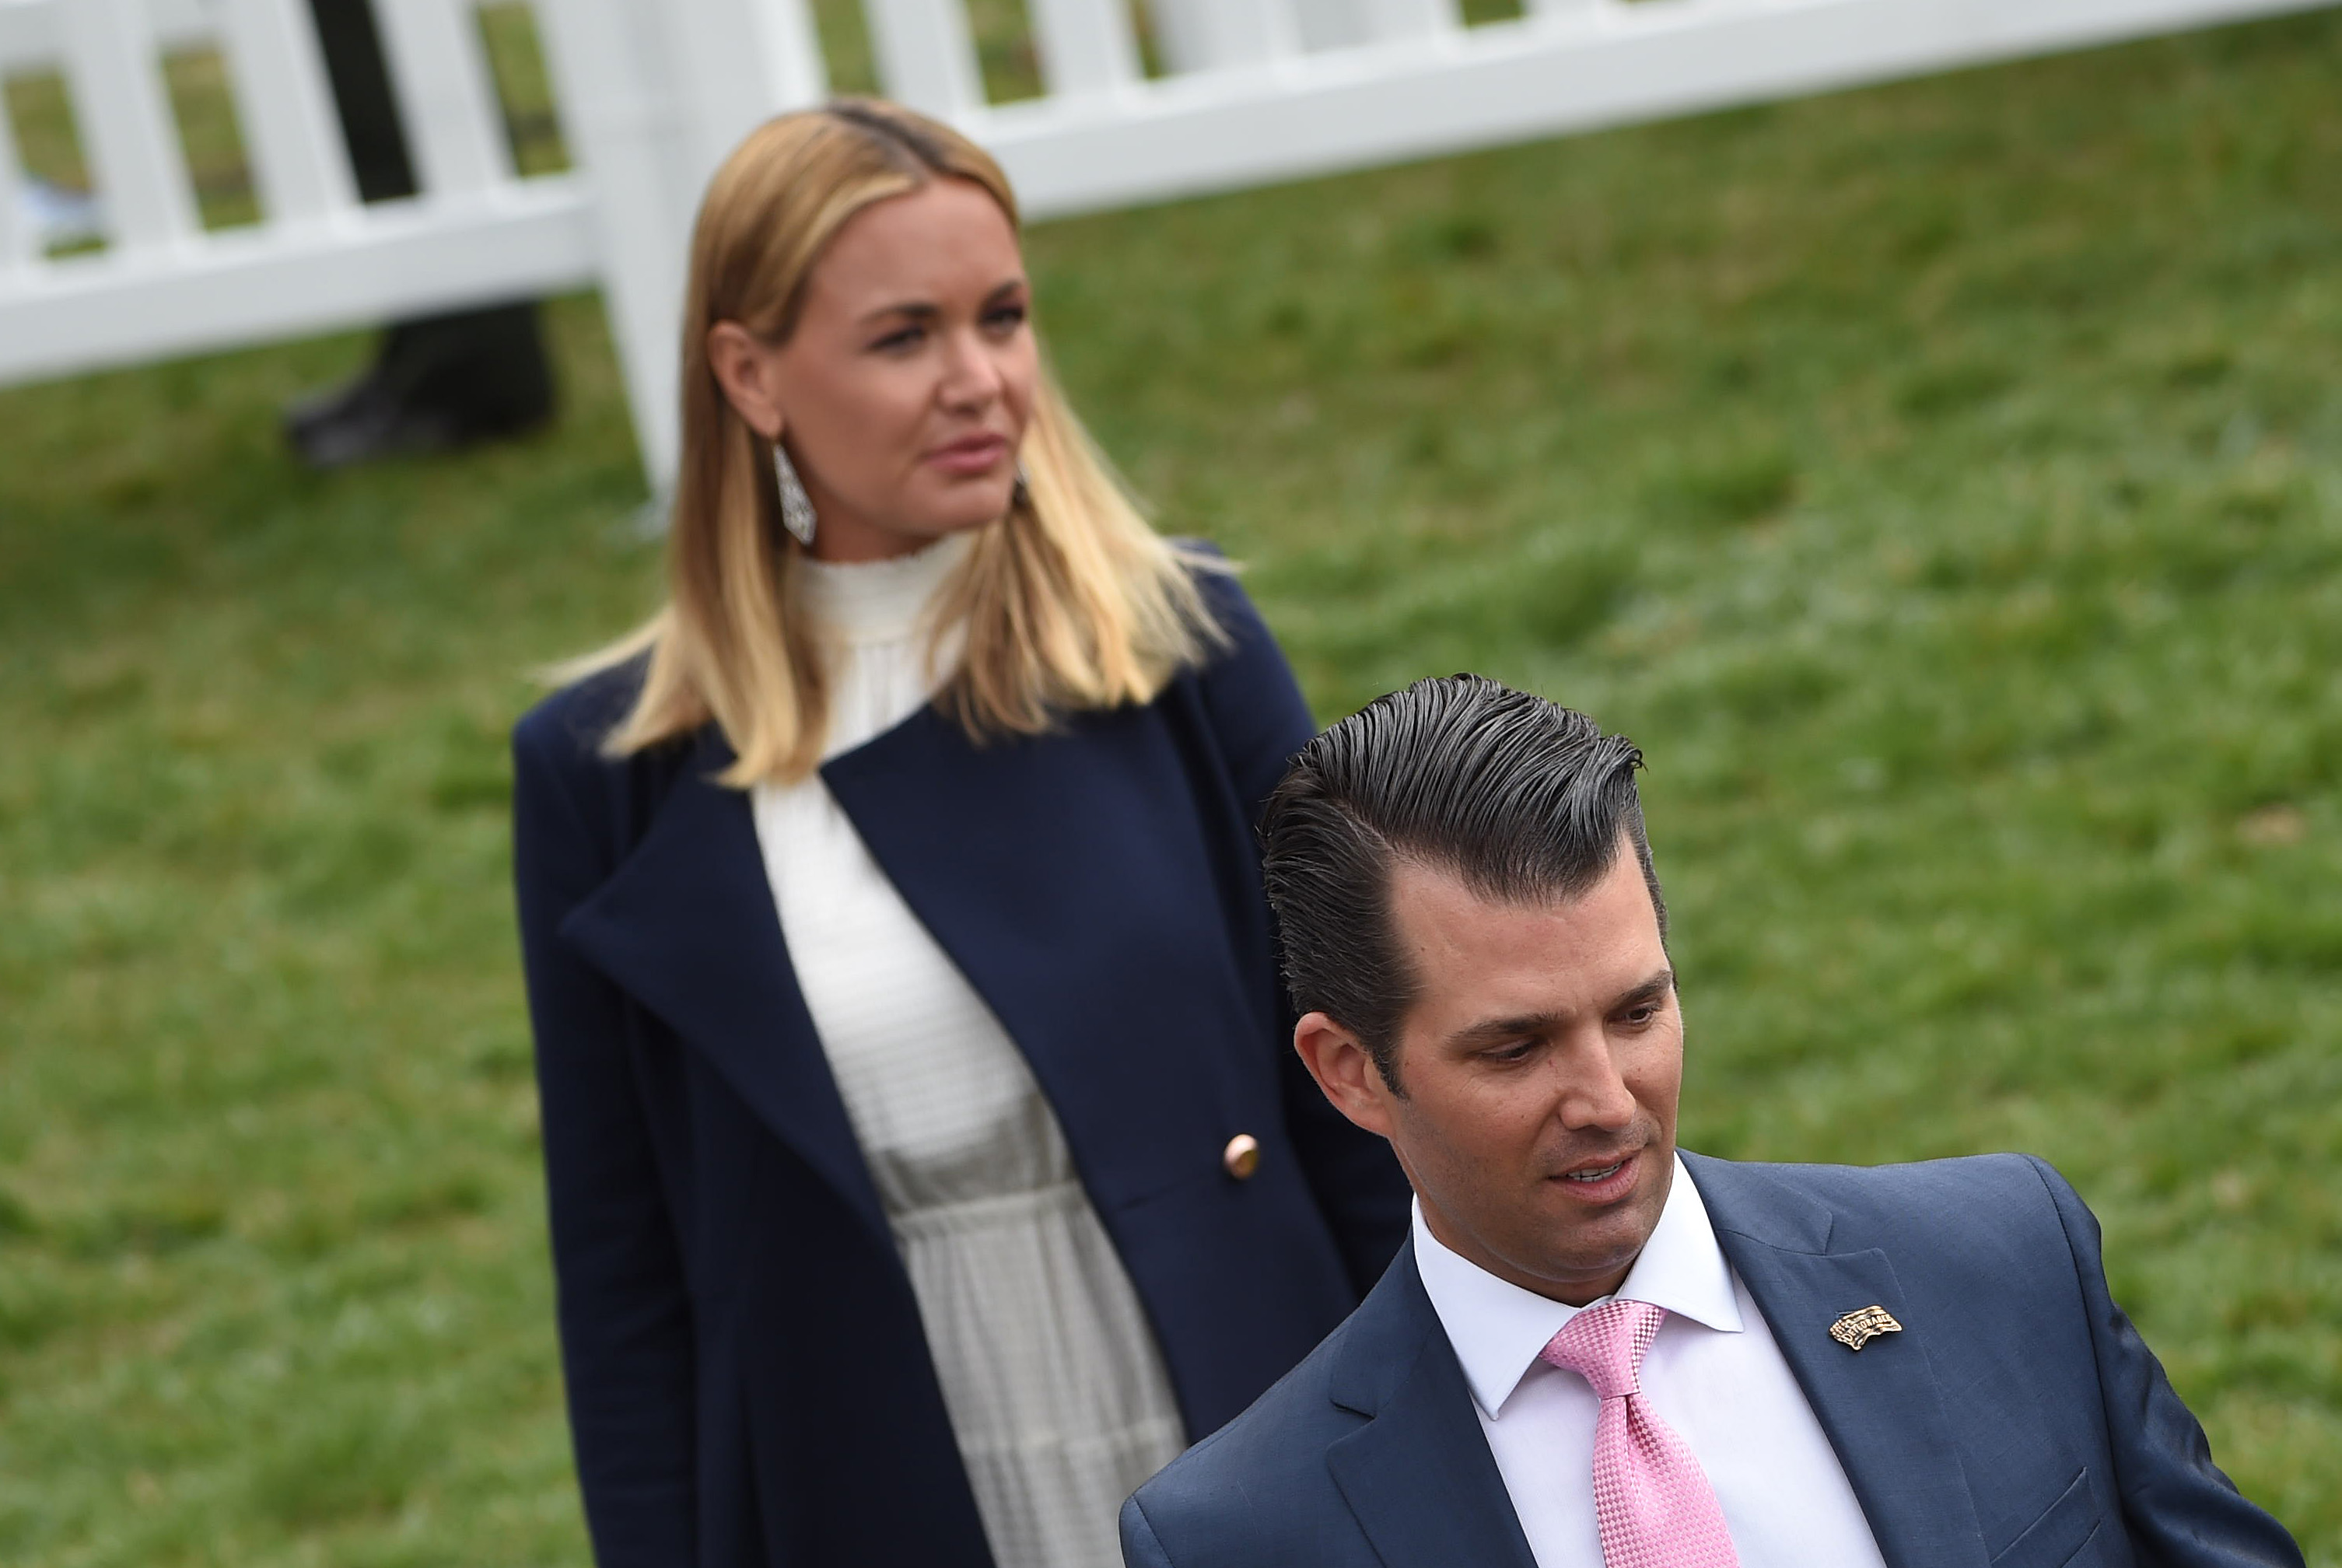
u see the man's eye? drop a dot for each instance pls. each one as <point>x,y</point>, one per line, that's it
<point>1638,1016</point>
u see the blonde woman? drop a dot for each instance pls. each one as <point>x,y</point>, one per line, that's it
<point>928,1162</point>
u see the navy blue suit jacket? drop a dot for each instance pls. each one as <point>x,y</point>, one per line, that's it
<point>748,1381</point>
<point>2016,1421</point>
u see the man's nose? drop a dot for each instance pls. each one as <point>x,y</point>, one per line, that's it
<point>1593,1094</point>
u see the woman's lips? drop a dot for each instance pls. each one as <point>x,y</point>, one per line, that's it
<point>976,455</point>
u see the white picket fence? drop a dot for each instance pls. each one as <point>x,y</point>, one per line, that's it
<point>651,92</point>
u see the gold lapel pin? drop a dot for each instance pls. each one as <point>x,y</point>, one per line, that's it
<point>1857,1329</point>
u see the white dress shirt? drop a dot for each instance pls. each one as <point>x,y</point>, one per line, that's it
<point>1714,1375</point>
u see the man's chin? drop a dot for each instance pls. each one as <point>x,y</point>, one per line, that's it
<point>1577,1247</point>
<point>1581,1277</point>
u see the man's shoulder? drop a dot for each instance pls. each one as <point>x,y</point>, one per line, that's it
<point>1980,1212</point>
<point>1884,1189</point>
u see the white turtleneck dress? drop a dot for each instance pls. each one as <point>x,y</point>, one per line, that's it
<point>1058,1392</point>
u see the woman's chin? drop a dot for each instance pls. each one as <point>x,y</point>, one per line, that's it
<point>971,502</point>
<point>955,528</point>
<point>960,520</point>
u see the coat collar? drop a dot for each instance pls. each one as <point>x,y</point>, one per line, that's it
<point>1881,1408</point>
<point>1061,874</point>
<point>686,926</point>
<point>1418,1476</point>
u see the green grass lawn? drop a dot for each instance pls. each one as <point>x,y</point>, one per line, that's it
<point>1942,482</point>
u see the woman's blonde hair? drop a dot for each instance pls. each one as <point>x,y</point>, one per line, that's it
<point>1070,602</point>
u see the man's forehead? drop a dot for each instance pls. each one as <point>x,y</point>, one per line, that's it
<point>1421,883</point>
<point>1607,935</point>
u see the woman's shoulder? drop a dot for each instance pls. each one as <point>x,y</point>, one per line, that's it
<point>572,721</point>
<point>1247,689</point>
<point>1219,581</point>
<point>564,773</point>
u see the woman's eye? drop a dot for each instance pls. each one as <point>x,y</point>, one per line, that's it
<point>1006,318</point>
<point>907,338</point>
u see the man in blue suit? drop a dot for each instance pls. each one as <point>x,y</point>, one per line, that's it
<point>1597,1351</point>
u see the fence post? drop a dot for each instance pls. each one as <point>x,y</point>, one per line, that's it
<point>1413,18</point>
<point>1208,34</point>
<point>1085,47</point>
<point>449,102</point>
<point>16,236</point>
<point>926,56</point>
<point>653,93</point>
<point>299,160</point>
<point>744,61</point>
<point>613,93</point>
<point>116,72</point>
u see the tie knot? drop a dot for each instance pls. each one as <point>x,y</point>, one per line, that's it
<point>1603,1344</point>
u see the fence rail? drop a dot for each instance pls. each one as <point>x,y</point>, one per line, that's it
<point>1276,103</point>
<point>651,92</point>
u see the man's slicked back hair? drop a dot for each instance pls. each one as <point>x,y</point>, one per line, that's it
<point>1522,800</point>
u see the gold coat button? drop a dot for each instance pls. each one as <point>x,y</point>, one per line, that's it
<point>1242,1157</point>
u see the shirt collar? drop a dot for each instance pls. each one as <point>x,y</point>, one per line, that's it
<point>1498,1328</point>
<point>881,601</point>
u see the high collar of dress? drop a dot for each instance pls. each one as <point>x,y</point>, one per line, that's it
<point>881,601</point>
<point>1498,1328</point>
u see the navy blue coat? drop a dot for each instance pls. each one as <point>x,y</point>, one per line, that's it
<point>748,1381</point>
<point>2015,1422</point>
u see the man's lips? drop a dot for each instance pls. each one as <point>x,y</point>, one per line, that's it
<point>1607,1160</point>
<point>1599,1178</point>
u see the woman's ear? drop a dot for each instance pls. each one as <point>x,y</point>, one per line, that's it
<point>748,370</point>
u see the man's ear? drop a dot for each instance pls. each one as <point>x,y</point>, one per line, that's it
<point>1345,1071</point>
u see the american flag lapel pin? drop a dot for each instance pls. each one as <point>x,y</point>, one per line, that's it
<point>1858,1328</point>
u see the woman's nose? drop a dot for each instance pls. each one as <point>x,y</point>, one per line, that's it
<point>972,376</point>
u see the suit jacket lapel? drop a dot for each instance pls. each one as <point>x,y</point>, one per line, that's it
<point>686,926</point>
<point>1419,1474</point>
<point>1880,1407</point>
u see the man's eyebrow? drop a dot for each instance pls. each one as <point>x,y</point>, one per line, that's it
<point>1650,990</point>
<point>1489,1031</point>
<point>1521,1025</point>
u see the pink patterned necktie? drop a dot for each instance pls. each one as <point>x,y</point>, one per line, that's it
<point>1651,1500</point>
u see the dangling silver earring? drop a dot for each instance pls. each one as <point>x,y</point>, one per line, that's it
<point>796,507</point>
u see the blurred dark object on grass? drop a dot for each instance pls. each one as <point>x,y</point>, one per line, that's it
<point>436,383</point>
